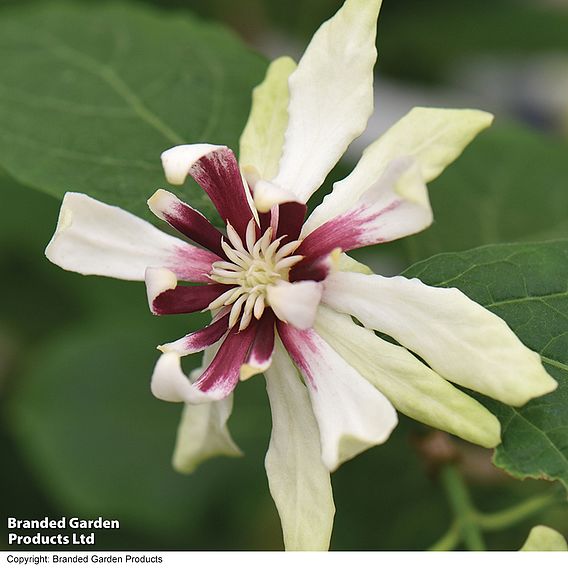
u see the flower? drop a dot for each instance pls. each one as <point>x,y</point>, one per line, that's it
<point>283,294</point>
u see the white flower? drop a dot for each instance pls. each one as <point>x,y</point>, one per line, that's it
<point>282,293</point>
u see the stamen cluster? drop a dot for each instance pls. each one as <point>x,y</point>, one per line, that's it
<point>251,269</point>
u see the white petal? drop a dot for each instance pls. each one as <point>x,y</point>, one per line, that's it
<point>458,338</point>
<point>177,161</point>
<point>396,206</point>
<point>263,137</point>
<point>267,194</point>
<point>96,238</point>
<point>412,387</point>
<point>171,384</point>
<point>331,97</point>
<point>433,137</point>
<point>299,482</point>
<point>351,414</point>
<point>295,303</point>
<point>202,432</point>
<point>158,280</point>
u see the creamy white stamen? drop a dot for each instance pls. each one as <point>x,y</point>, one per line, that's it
<point>251,269</point>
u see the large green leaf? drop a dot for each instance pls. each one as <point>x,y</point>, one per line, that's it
<point>527,286</point>
<point>91,95</point>
<point>510,185</point>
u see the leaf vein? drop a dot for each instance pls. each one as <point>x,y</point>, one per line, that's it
<point>114,81</point>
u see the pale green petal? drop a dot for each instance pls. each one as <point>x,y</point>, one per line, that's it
<point>433,137</point>
<point>412,387</point>
<point>299,483</point>
<point>331,97</point>
<point>543,538</point>
<point>202,432</point>
<point>263,137</point>
<point>347,263</point>
<point>462,341</point>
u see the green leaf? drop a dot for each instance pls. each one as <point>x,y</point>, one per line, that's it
<point>99,91</point>
<point>526,285</point>
<point>422,40</point>
<point>510,185</point>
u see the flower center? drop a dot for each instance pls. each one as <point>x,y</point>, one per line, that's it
<point>251,268</point>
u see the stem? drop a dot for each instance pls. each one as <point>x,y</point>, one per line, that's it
<point>462,506</point>
<point>515,514</point>
<point>449,540</point>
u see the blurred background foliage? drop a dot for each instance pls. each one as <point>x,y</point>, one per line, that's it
<point>81,434</point>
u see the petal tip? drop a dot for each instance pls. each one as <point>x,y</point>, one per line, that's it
<point>335,259</point>
<point>267,194</point>
<point>64,222</point>
<point>171,384</point>
<point>178,161</point>
<point>160,201</point>
<point>490,435</point>
<point>483,118</point>
<point>248,371</point>
<point>158,281</point>
<point>166,377</point>
<point>251,175</point>
<point>174,170</point>
<point>538,385</point>
<point>254,367</point>
<point>351,445</point>
<point>295,303</point>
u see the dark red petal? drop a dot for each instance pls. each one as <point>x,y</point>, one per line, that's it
<point>291,217</point>
<point>186,220</point>
<point>309,269</point>
<point>266,219</point>
<point>186,299</point>
<point>219,175</point>
<point>224,371</point>
<point>263,346</point>
<point>203,338</point>
<point>342,232</point>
